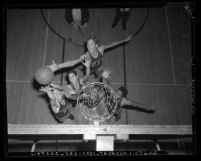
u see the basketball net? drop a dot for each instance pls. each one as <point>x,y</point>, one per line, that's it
<point>97,102</point>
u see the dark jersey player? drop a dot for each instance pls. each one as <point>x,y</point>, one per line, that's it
<point>95,52</point>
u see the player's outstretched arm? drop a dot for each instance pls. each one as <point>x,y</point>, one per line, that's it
<point>114,44</point>
<point>136,105</point>
<point>54,67</point>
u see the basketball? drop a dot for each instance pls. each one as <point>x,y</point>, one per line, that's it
<point>44,75</point>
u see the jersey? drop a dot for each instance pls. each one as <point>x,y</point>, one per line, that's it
<point>96,62</point>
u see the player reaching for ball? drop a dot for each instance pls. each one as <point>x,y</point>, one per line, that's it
<point>58,102</point>
<point>95,52</point>
<point>61,96</point>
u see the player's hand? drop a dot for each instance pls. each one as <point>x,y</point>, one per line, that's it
<point>54,66</point>
<point>45,89</point>
<point>48,90</point>
<point>83,57</point>
<point>55,86</point>
<point>129,38</point>
<point>87,61</point>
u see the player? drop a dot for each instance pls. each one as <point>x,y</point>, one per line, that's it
<point>58,102</point>
<point>123,101</point>
<point>60,96</point>
<point>76,84</point>
<point>95,52</point>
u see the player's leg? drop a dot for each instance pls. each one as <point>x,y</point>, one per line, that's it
<point>116,19</point>
<point>124,20</point>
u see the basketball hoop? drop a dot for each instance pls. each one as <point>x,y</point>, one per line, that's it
<point>97,102</point>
